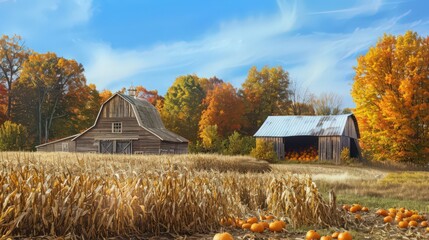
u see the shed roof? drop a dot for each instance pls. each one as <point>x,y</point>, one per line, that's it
<point>288,126</point>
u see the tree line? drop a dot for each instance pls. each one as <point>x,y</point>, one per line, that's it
<point>45,97</point>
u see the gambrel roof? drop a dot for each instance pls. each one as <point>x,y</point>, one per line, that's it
<point>289,126</point>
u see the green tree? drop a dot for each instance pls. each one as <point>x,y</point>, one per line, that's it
<point>264,93</point>
<point>391,92</point>
<point>239,144</point>
<point>182,107</point>
<point>13,137</point>
<point>13,53</point>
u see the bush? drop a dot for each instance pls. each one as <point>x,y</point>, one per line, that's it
<point>239,144</point>
<point>264,150</point>
<point>13,137</point>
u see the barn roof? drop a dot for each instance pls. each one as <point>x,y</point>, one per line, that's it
<point>148,117</point>
<point>288,126</point>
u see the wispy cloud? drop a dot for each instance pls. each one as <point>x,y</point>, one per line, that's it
<point>321,61</point>
<point>361,7</point>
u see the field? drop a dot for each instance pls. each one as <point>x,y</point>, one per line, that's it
<point>81,196</point>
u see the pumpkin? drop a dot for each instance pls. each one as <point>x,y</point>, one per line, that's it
<point>393,210</point>
<point>359,207</point>
<point>335,235</point>
<point>240,223</point>
<point>265,224</point>
<point>416,217</point>
<point>382,212</point>
<point>354,209</point>
<point>413,223</point>
<point>408,213</point>
<point>269,217</point>
<point>388,219</point>
<point>223,236</point>
<point>346,207</point>
<point>345,236</point>
<point>424,224</point>
<point>365,209</point>
<point>276,226</point>
<point>252,220</point>
<point>257,227</point>
<point>403,224</point>
<point>358,217</point>
<point>312,235</point>
<point>326,238</point>
<point>246,226</point>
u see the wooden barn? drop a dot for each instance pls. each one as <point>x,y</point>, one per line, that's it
<point>328,134</point>
<point>126,125</point>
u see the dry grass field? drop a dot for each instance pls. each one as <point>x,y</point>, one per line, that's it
<point>87,196</point>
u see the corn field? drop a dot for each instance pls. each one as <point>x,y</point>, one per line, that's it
<point>94,196</point>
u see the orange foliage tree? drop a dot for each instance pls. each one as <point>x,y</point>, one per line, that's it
<point>391,92</point>
<point>224,109</point>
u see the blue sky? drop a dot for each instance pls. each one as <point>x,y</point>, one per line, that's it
<point>150,43</point>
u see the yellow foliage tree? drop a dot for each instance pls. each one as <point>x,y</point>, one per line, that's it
<point>391,92</point>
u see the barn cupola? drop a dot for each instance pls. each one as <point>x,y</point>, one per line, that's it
<point>132,91</point>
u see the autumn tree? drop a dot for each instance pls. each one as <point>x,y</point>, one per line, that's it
<point>182,108</point>
<point>13,53</point>
<point>264,93</point>
<point>208,84</point>
<point>327,104</point>
<point>151,96</point>
<point>391,92</point>
<point>52,87</point>
<point>210,139</point>
<point>104,95</point>
<point>224,109</point>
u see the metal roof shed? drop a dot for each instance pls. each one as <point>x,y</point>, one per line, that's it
<point>330,134</point>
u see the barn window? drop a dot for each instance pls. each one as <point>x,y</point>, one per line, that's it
<point>65,147</point>
<point>116,127</point>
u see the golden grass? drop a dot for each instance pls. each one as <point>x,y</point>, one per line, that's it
<point>96,196</point>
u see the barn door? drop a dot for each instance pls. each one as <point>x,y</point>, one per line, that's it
<point>123,147</point>
<point>106,146</point>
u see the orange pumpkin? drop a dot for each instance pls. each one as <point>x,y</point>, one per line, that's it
<point>276,226</point>
<point>269,217</point>
<point>382,212</point>
<point>312,235</point>
<point>223,236</point>
<point>388,219</point>
<point>246,226</point>
<point>354,209</point>
<point>327,237</point>
<point>335,235</point>
<point>413,223</point>
<point>346,207</point>
<point>345,236</point>
<point>403,224</point>
<point>365,209</point>
<point>265,224</point>
<point>257,227</point>
<point>252,220</point>
<point>424,224</point>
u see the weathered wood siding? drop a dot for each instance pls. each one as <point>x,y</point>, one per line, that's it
<point>330,148</point>
<point>118,110</point>
<point>350,129</point>
<point>173,148</point>
<point>65,145</point>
